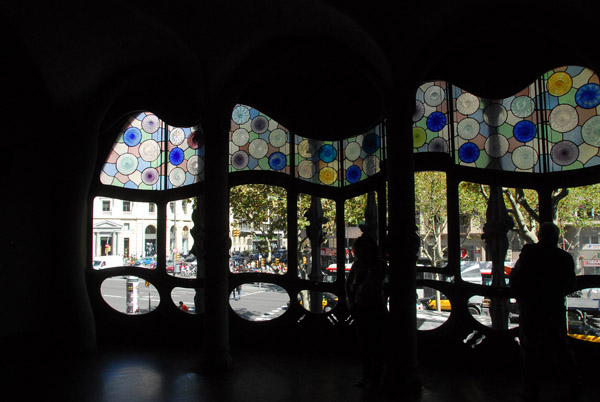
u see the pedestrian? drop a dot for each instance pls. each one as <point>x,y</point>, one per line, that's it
<point>542,277</point>
<point>366,301</point>
<point>183,307</point>
<point>239,292</point>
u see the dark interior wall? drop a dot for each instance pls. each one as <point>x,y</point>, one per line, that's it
<point>63,83</point>
<point>71,71</point>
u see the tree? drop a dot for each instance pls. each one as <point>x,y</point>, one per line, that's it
<point>264,209</point>
<point>432,208</point>
<point>576,209</point>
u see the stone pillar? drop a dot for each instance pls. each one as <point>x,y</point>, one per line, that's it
<point>216,217</point>
<point>403,245</point>
<point>495,230</point>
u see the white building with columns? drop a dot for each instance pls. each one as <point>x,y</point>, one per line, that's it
<point>129,228</point>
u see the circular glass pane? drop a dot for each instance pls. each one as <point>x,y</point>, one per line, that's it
<point>590,131</point>
<point>149,150</point>
<point>564,153</point>
<point>468,128</point>
<point>559,83</point>
<point>467,103</point>
<point>278,138</point>
<point>433,308</point>
<point>419,137</point>
<point>151,123</point>
<point>130,294</point>
<point>563,118</point>
<point>522,106</point>
<point>317,302</point>
<point>240,137</point>
<point>524,157</point>
<point>583,310</point>
<point>479,308</point>
<point>434,95</point>
<point>127,164</point>
<point>495,115</point>
<point>352,151</point>
<point>260,124</point>
<point>306,169</point>
<point>185,299</point>
<point>419,111</point>
<point>259,301</point>
<point>496,145</point>
<point>177,136</point>
<point>177,177</point>
<point>258,148</point>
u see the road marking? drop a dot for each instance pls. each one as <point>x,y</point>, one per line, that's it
<point>267,316</point>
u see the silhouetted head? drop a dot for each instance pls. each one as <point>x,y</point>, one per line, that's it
<point>549,234</point>
<point>365,247</point>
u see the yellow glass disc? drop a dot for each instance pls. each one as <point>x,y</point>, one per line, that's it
<point>559,84</point>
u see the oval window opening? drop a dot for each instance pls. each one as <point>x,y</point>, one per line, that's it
<point>130,295</point>
<point>583,310</point>
<point>185,300</point>
<point>259,301</point>
<point>479,308</point>
<point>433,308</point>
<point>317,302</point>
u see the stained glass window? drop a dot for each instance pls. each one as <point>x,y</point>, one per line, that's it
<point>362,155</point>
<point>257,142</point>
<point>151,155</point>
<point>571,100</point>
<point>317,161</point>
<point>551,125</point>
<point>430,129</point>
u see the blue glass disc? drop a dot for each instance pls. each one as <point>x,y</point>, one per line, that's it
<point>436,121</point>
<point>353,174</point>
<point>132,136</point>
<point>588,96</point>
<point>524,131</point>
<point>468,152</point>
<point>371,143</point>
<point>176,156</point>
<point>327,153</point>
<point>277,161</point>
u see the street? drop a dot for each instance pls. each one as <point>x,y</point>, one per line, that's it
<point>260,302</point>
<point>114,292</point>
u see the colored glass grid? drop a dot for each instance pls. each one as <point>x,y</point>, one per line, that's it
<point>496,134</point>
<point>362,155</point>
<point>571,98</point>
<point>430,118</point>
<point>257,142</point>
<point>551,125</point>
<point>143,153</point>
<point>317,161</point>
<point>185,162</point>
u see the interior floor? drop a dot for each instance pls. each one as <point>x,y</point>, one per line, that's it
<point>174,374</point>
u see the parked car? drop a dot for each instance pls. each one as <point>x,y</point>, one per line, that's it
<point>579,328</point>
<point>107,261</point>
<point>144,261</point>
<point>179,266</point>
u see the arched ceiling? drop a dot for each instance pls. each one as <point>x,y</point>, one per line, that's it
<point>323,68</point>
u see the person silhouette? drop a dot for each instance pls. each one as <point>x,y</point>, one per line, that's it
<point>542,277</point>
<point>366,302</point>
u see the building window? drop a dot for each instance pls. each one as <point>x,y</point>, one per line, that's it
<point>151,207</point>
<point>126,206</point>
<point>106,206</point>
